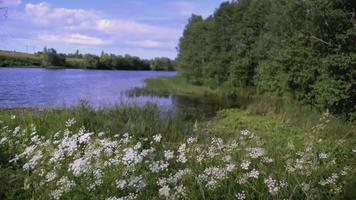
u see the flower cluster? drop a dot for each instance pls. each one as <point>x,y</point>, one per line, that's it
<point>80,162</point>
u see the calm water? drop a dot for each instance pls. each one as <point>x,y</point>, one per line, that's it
<point>35,87</point>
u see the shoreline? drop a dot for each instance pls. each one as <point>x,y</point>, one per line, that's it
<point>89,69</point>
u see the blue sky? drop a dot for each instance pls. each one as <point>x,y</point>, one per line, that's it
<point>145,28</point>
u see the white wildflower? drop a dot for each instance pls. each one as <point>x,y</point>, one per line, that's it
<point>241,195</point>
<point>56,194</point>
<point>191,140</point>
<point>158,166</point>
<point>126,138</point>
<point>138,146</point>
<point>256,152</point>
<point>273,186</point>
<point>245,164</point>
<point>245,132</point>
<point>31,164</point>
<point>254,174</point>
<point>218,143</point>
<point>137,182</point>
<point>164,191</point>
<point>51,176</point>
<point>323,155</point>
<point>70,122</point>
<point>181,157</point>
<point>230,167</point>
<point>157,138</point>
<point>101,134</point>
<point>267,160</point>
<point>79,166</point>
<point>65,184</point>
<point>168,154</point>
<point>16,130</point>
<point>131,157</point>
<point>3,140</point>
<point>84,138</point>
<point>121,184</point>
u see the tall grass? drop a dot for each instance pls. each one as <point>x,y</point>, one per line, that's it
<point>268,149</point>
<point>85,154</point>
<point>175,85</point>
<point>143,121</point>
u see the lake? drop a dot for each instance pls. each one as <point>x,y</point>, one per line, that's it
<point>38,87</point>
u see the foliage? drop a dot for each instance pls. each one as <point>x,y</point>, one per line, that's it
<point>165,64</point>
<point>11,59</point>
<point>305,48</point>
<point>63,159</point>
<point>50,58</point>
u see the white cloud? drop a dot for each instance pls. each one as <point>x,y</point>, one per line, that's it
<point>84,20</point>
<point>128,27</point>
<point>153,44</point>
<point>38,10</point>
<point>10,3</point>
<point>76,38</point>
<point>43,13</point>
<point>89,27</point>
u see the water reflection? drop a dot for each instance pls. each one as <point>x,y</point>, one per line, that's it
<point>31,88</point>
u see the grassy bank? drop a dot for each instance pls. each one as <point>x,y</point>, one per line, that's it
<point>130,152</point>
<point>176,85</point>
<point>21,59</point>
<point>9,58</point>
<point>265,150</point>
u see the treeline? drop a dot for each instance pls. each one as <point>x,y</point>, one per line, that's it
<point>104,61</point>
<point>305,48</point>
<point>49,58</point>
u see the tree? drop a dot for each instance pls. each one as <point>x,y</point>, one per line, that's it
<point>305,48</point>
<point>51,58</point>
<point>90,61</point>
<point>165,64</point>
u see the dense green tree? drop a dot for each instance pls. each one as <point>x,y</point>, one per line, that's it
<point>163,63</point>
<point>90,61</point>
<point>305,48</point>
<point>192,46</point>
<point>51,58</point>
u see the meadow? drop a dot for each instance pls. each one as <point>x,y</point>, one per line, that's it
<point>264,150</point>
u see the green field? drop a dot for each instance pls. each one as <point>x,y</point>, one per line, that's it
<point>20,59</point>
<point>9,58</point>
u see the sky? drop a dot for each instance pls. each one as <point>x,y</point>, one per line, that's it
<point>144,28</point>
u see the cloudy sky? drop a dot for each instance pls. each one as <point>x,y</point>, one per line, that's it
<point>146,28</point>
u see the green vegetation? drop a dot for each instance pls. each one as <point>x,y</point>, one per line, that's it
<point>177,85</point>
<point>80,153</point>
<point>269,149</point>
<point>9,59</point>
<point>298,48</point>
<point>49,58</point>
<point>288,60</point>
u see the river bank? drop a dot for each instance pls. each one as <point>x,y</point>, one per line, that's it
<point>263,150</point>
